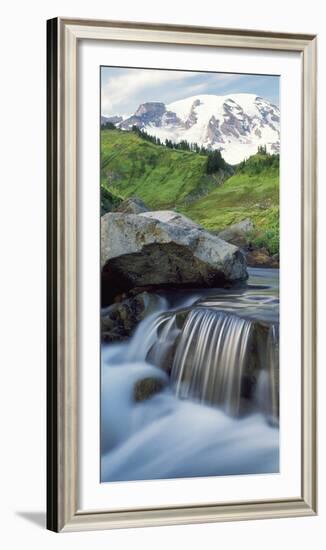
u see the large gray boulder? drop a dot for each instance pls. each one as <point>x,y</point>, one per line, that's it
<point>171,217</point>
<point>141,250</point>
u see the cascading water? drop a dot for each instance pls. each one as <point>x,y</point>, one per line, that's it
<point>205,357</point>
<point>215,357</point>
<point>211,357</point>
<point>267,394</point>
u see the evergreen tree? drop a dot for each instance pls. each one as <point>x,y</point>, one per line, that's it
<point>108,126</point>
<point>262,149</point>
<point>215,162</point>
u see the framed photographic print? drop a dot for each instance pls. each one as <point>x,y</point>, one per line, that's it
<point>181,275</point>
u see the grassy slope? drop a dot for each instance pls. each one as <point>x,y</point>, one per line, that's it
<point>161,177</point>
<point>252,192</point>
<point>165,178</point>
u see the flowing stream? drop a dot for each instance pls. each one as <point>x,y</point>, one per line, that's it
<point>214,356</point>
<point>210,358</point>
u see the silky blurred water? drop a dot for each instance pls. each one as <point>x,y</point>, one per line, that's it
<point>167,436</point>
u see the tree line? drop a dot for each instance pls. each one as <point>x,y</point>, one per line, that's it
<point>260,161</point>
<point>108,126</point>
<point>215,161</point>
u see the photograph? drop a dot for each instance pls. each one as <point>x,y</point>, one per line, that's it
<point>181,274</point>
<point>190,257</point>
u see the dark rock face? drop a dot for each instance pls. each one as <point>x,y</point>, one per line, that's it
<point>170,119</point>
<point>119,320</point>
<point>236,123</point>
<point>140,250</point>
<point>261,363</point>
<point>155,114</point>
<point>214,133</point>
<point>176,265</point>
<point>265,362</point>
<point>150,109</point>
<point>151,112</point>
<point>192,117</point>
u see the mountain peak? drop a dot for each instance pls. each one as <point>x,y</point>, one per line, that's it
<point>236,124</point>
<point>150,107</point>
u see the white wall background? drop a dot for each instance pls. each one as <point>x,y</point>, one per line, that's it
<point>22,272</point>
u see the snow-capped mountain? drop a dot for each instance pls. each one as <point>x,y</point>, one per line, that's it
<point>236,124</point>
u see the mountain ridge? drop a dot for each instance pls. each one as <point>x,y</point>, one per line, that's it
<point>235,124</point>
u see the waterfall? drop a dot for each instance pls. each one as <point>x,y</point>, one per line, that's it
<point>216,357</point>
<point>267,394</point>
<point>167,332</point>
<point>146,333</point>
<point>211,357</point>
<point>208,355</point>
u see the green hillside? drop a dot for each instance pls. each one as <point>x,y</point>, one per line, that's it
<point>177,179</point>
<point>252,192</point>
<point>162,177</point>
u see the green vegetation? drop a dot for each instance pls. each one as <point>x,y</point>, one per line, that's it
<point>267,232</point>
<point>193,181</point>
<point>215,162</point>
<point>163,177</point>
<point>107,126</point>
<point>252,192</point>
<point>108,201</point>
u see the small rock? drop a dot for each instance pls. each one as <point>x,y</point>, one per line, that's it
<point>133,205</point>
<point>237,233</point>
<point>147,387</point>
<point>261,258</point>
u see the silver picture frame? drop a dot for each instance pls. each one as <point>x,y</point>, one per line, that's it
<point>63,36</point>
